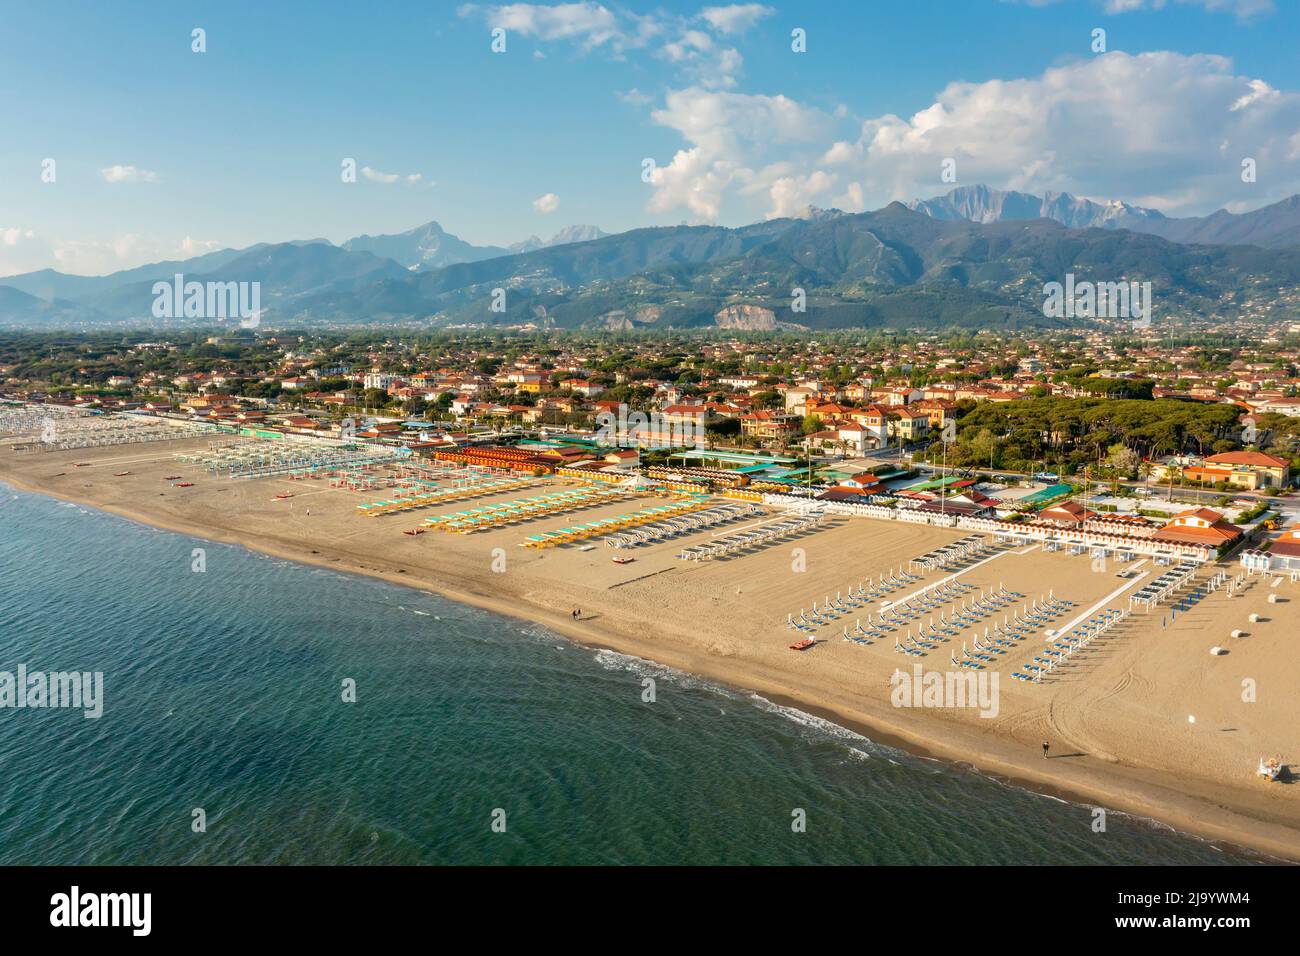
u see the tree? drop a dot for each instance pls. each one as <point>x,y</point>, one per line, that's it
<point>1123,459</point>
<point>982,449</point>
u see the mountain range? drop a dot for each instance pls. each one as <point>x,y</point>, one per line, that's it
<point>976,257</point>
<point>431,247</point>
<point>1275,227</point>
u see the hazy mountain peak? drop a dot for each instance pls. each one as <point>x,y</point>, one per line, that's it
<point>562,238</point>
<point>425,247</point>
<point>1273,226</point>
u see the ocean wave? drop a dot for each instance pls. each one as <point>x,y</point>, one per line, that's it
<point>821,727</point>
<point>640,666</point>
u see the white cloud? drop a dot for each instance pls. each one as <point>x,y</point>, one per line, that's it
<point>26,250</point>
<point>547,204</point>
<point>1244,9</point>
<point>685,42</point>
<point>736,18</point>
<point>388,179</point>
<point>695,180</point>
<point>792,195</point>
<point>128,174</point>
<point>702,60</point>
<point>13,235</point>
<point>589,24</point>
<point>635,97</point>
<point>1260,92</point>
<point>1162,129</point>
<point>686,46</point>
<point>735,139</point>
<point>714,68</point>
<point>196,247</point>
<point>852,199</point>
<point>727,123</point>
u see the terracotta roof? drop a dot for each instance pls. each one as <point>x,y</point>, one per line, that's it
<point>1256,458</point>
<point>1067,510</point>
<point>1189,534</point>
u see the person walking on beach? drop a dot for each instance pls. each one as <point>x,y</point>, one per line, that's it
<point>1046,747</point>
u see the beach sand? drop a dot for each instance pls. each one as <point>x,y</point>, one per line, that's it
<point>1117,716</point>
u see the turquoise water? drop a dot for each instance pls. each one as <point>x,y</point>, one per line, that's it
<point>223,692</point>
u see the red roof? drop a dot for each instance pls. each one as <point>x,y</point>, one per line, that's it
<point>1255,458</point>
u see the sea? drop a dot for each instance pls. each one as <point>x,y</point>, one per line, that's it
<point>260,711</point>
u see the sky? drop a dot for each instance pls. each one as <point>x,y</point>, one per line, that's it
<point>159,151</point>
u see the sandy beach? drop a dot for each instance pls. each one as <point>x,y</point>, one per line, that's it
<point>1117,717</point>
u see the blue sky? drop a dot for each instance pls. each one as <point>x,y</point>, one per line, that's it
<point>163,152</point>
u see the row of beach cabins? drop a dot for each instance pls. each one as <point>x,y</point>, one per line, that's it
<point>462,490</point>
<point>1017,532</point>
<point>53,428</point>
<point>237,457</point>
<point>523,509</point>
<point>617,524</point>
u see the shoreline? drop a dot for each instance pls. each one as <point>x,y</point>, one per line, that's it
<point>1129,790</point>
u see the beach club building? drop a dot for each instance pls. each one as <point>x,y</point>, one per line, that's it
<point>1253,469</point>
<point>1199,526</point>
<point>1282,555</point>
<point>1250,470</point>
<point>1068,514</point>
<point>1285,552</point>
